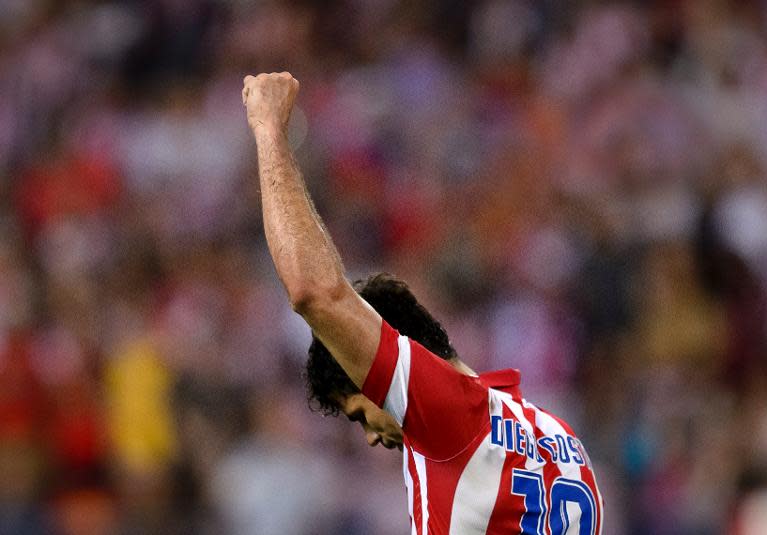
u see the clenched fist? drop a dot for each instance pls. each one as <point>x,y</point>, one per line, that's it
<point>268,99</point>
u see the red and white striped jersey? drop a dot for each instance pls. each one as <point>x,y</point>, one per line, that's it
<point>478,458</point>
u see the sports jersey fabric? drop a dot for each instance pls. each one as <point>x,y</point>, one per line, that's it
<point>478,458</point>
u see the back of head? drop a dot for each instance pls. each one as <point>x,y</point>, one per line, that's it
<point>393,300</point>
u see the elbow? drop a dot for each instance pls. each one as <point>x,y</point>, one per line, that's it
<point>301,301</point>
<point>312,300</point>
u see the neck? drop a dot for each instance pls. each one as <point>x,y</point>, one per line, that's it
<point>459,365</point>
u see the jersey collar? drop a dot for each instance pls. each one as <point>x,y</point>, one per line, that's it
<point>503,380</point>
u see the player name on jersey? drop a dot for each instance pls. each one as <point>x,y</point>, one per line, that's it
<point>510,434</point>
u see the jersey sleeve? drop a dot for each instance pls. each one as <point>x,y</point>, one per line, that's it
<point>440,409</point>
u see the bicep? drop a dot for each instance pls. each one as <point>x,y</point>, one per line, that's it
<point>349,328</point>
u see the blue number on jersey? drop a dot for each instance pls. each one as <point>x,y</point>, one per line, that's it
<point>563,491</point>
<point>530,485</point>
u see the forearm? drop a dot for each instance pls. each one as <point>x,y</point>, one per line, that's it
<point>306,260</point>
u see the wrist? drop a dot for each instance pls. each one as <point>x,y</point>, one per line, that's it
<point>268,130</point>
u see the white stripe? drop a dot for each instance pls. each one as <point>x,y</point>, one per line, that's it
<point>409,487</point>
<point>478,485</point>
<point>517,410</point>
<point>420,468</point>
<point>396,398</point>
<point>550,427</point>
<point>573,510</point>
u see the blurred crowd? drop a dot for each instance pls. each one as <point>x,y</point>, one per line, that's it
<point>576,189</point>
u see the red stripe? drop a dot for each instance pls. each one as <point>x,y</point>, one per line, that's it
<point>379,377</point>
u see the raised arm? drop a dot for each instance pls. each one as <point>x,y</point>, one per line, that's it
<point>307,262</point>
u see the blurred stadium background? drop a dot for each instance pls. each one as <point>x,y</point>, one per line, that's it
<point>577,189</point>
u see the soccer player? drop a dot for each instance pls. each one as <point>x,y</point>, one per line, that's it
<point>479,459</point>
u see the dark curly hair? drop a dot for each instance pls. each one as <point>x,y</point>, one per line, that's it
<point>326,381</point>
